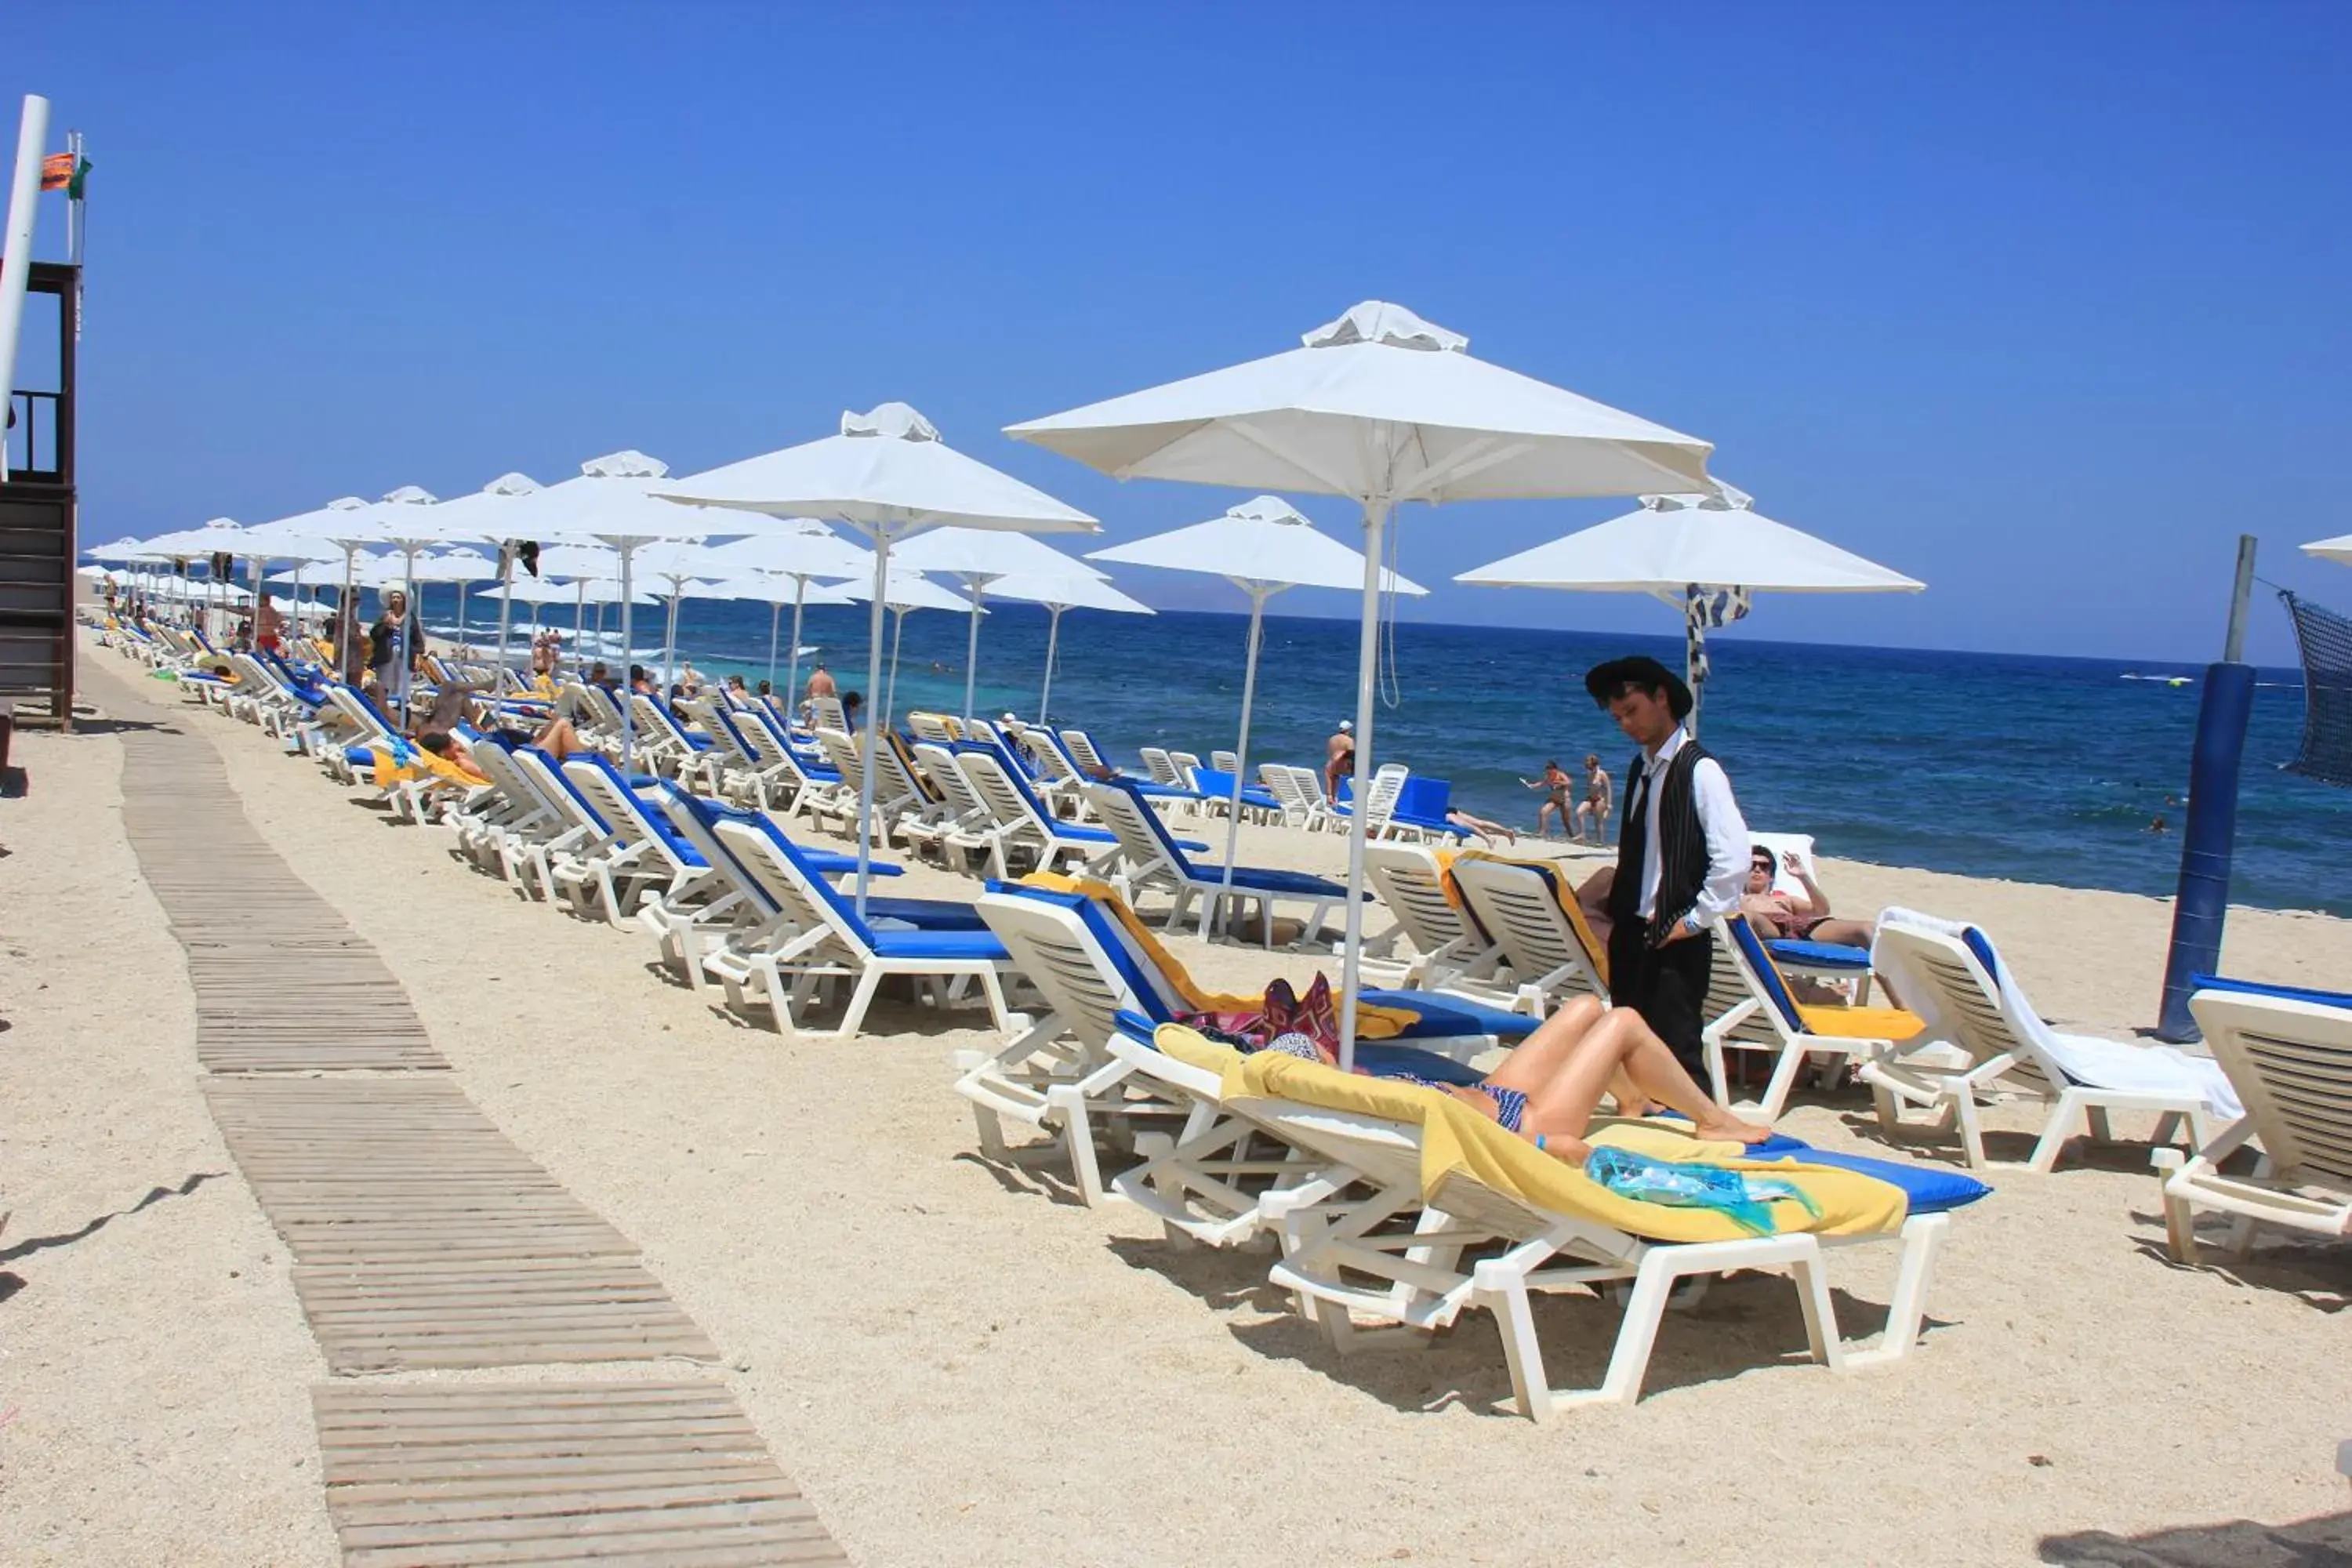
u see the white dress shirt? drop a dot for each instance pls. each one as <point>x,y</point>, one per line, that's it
<point>1719,814</point>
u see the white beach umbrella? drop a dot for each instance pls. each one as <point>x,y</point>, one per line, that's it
<point>123,549</point>
<point>976,557</point>
<point>1704,554</point>
<point>777,589</point>
<point>677,570</point>
<point>887,475</point>
<point>1059,591</point>
<point>804,550</point>
<point>906,591</point>
<point>2337,549</point>
<point>610,503</point>
<point>1384,408</point>
<point>203,543</point>
<point>583,565</point>
<point>494,516</point>
<point>1262,547</point>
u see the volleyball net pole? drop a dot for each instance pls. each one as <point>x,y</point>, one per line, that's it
<point>2203,904</point>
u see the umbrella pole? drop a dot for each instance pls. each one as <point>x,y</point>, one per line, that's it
<point>792,677</point>
<point>873,685</point>
<point>579,614</point>
<point>890,695</point>
<point>1368,648</point>
<point>461,616</point>
<point>350,569</point>
<point>506,619</point>
<point>1053,647</point>
<point>971,647</point>
<point>415,613</point>
<point>1241,754</point>
<point>775,621</point>
<point>669,637</point>
<point>629,702</point>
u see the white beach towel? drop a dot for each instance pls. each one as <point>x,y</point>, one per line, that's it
<point>2078,1058</point>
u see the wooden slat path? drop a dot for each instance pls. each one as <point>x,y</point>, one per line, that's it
<point>556,1473</point>
<point>422,1238</point>
<point>282,984</point>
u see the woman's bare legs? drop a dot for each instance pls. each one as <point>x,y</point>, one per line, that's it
<point>1577,1055</point>
<point>559,740</point>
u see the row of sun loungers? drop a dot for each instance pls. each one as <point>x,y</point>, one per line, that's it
<point>1393,1210</point>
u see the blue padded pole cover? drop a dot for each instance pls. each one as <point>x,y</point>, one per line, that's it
<point>2204,900</point>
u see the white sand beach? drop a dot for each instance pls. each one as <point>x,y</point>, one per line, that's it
<point>958,1362</point>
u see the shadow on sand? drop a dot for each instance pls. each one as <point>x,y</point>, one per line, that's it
<point>2323,1542</point>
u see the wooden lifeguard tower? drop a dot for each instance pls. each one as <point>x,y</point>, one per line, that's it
<point>36,506</point>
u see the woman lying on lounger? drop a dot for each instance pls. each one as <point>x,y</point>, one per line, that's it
<point>1553,1081</point>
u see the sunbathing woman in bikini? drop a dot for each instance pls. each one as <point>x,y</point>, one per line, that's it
<point>1547,1088</point>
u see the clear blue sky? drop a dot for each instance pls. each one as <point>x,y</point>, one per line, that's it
<point>2043,304</point>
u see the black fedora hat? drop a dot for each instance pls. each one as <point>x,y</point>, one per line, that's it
<point>1604,682</point>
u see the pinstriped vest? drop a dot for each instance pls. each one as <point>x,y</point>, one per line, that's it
<point>1682,849</point>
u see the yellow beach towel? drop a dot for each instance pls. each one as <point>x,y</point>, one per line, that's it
<point>1458,1143</point>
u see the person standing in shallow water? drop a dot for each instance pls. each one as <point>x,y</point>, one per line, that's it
<point>1682,856</point>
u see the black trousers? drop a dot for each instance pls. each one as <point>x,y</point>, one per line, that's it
<point>1666,985</point>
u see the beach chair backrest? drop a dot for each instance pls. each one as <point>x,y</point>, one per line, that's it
<point>1142,838</point>
<point>2289,1056</point>
<point>1946,981</point>
<point>1054,765</point>
<point>844,755</point>
<point>1406,877</point>
<point>775,751</point>
<point>1160,766</point>
<point>655,724</point>
<point>999,782</point>
<point>569,803</point>
<point>1518,907</point>
<point>1276,778</point>
<point>1311,783</point>
<point>696,820</point>
<point>1065,957</point>
<point>1801,844</point>
<point>1224,761</point>
<point>1388,784</point>
<point>796,890</point>
<point>938,764</point>
<point>600,784</point>
<point>719,723</point>
<point>1759,977</point>
<point>496,763</point>
<point>1081,746</point>
<point>1186,764</point>
<point>930,727</point>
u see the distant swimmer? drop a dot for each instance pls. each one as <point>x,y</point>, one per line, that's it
<point>1339,757</point>
<point>2158,825</point>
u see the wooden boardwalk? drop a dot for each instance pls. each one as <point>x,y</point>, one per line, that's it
<point>422,1238</point>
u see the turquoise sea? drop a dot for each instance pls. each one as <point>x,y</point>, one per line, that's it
<point>2047,769</point>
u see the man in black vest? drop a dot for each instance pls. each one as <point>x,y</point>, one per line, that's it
<point>1682,856</point>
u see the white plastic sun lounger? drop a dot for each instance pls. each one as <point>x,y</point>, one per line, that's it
<point>1983,1039</point>
<point>1519,906</point>
<point>1155,858</point>
<point>2289,1052</point>
<point>831,942</point>
<point>1361,1260</point>
<point>1753,1009</point>
<point>1451,952</point>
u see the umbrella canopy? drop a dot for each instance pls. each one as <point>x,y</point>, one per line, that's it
<point>1382,408</point>
<point>1260,544</point>
<point>1262,547</point>
<point>123,549</point>
<point>577,563</point>
<point>538,591</point>
<point>887,475</point>
<point>906,591</point>
<point>799,550</point>
<point>1058,593</point>
<point>2337,549</point>
<point>976,557</point>
<point>192,543</point>
<point>1704,554</point>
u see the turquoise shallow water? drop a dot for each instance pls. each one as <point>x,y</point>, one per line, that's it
<point>2043,770</point>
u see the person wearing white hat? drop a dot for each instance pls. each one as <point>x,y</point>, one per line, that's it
<point>1339,757</point>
